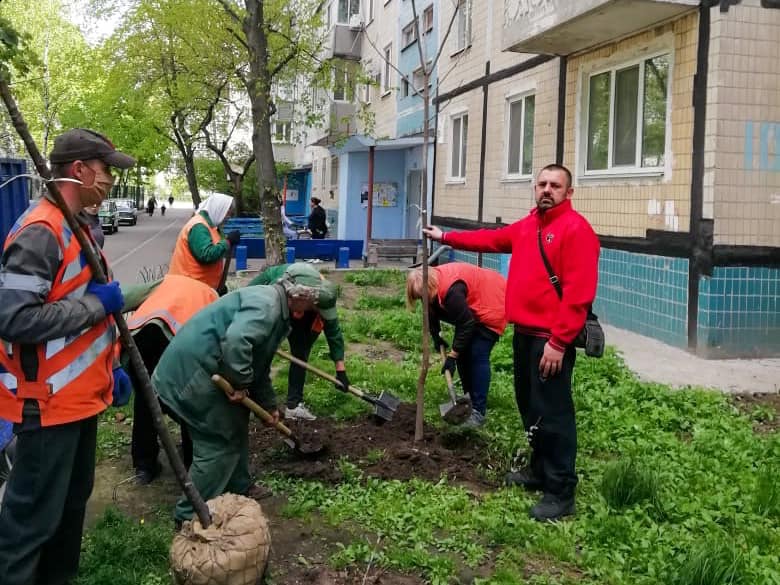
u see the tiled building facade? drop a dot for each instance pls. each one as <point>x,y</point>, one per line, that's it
<point>666,112</point>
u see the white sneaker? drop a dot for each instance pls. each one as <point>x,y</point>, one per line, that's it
<point>300,412</point>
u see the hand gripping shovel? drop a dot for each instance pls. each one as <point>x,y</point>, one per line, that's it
<point>385,404</point>
<point>458,409</point>
<point>304,449</point>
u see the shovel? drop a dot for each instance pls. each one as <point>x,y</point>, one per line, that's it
<point>458,409</point>
<point>307,450</point>
<point>385,404</point>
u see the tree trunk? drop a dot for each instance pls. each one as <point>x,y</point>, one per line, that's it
<point>192,177</point>
<point>259,88</point>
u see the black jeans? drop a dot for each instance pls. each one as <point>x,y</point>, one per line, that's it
<point>547,405</point>
<point>145,449</point>
<point>474,369</point>
<point>301,340</point>
<point>42,517</point>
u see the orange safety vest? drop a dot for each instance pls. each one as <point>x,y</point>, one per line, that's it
<point>184,263</point>
<point>74,378</point>
<point>174,301</point>
<point>486,290</point>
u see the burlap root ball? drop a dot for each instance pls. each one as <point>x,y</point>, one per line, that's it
<point>232,551</point>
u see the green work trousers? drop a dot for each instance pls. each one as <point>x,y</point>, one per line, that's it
<point>219,464</point>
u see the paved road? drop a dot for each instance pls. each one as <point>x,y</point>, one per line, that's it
<point>143,251</point>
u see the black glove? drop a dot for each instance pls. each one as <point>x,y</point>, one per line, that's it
<point>222,290</point>
<point>439,343</point>
<point>233,237</point>
<point>342,377</point>
<point>449,365</point>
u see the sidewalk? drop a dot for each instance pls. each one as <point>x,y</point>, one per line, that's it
<point>654,361</point>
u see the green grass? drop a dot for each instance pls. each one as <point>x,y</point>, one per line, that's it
<point>376,277</point>
<point>666,478</point>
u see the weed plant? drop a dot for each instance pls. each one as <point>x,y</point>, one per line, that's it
<point>712,563</point>
<point>626,483</point>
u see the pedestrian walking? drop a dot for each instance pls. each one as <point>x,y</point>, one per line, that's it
<point>201,251</point>
<point>57,366</point>
<point>545,327</point>
<point>305,328</point>
<point>318,222</point>
<point>235,337</point>
<point>471,299</point>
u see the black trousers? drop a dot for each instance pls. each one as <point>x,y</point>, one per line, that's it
<point>145,449</point>
<point>547,410</point>
<point>301,340</point>
<point>42,516</point>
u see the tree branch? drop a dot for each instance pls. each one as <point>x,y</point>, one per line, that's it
<point>230,12</point>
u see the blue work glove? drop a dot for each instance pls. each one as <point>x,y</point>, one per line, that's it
<point>122,387</point>
<point>449,365</point>
<point>110,295</point>
<point>342,377</point>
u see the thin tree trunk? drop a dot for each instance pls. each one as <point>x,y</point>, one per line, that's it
<point>259,88</point>
<point>192,177</point>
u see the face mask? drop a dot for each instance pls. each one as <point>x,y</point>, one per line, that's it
<point>95,193</point>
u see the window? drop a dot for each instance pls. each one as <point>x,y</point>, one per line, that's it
<point>387,70</point>
<point>520,144</point>
<point>334,172</point>
<point>460,128</point>
<point>427,19</point>
<point>329,16</point>
<point>323,169</point>
<point>408,35</point>
<point>627,117</point>
<point>348,9</point>
<point>282,132</point>
<point>343,88</point>
<point>463,25</point>
<point>405,92</point>
<point>370,10</point>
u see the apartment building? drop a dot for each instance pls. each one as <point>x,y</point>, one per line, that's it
<point>666,112</point>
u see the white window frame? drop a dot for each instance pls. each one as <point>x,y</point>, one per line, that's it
<point>323,171</point>
<point>351,5</point>
<point>387,69</point>
<point>510,100</point>
<point>408,35</point>
<point>614,65</point>
<point>370,11</point>
<point>460,176</point>
<point>286,126</point>
<point>463,42</point>
<point>427,27</point>
<point>347,87</point>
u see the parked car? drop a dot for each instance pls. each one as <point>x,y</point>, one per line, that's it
<point>127,211</point>
<point>109,216</point>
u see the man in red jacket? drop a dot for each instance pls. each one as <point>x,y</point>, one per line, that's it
<point>545,328</point>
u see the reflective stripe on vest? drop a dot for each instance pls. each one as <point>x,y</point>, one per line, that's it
<point>486,290</point>
<point>184,263</point>
<point>74,372</point>
<point>174,301</point>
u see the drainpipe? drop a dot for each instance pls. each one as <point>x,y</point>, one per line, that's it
<point>483,153</point>
<point>370,208</point>
<point>561,128</point>
<point>701,235</point>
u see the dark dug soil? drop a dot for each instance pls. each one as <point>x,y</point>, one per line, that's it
<point>749,403</point>
<point>386,451</point>
<point>325,576</point>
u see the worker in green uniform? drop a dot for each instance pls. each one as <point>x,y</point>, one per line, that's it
<point>235,337</point>
<point>306,327</point>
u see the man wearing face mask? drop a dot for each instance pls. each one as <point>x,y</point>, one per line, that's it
<point>56,366</point>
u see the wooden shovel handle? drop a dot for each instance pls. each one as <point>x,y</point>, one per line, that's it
<point>448,376</point>
<point>261,412</point>
<point>321,373</point>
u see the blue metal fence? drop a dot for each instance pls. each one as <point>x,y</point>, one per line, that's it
<point>15,196</point>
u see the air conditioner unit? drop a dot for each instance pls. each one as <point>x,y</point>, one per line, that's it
<point>356,21</point>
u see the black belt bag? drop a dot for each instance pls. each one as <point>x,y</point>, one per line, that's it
<point>591,337</point>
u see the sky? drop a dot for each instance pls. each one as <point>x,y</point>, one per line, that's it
<point>96,25</point>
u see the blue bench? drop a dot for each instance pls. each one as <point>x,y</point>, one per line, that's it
<point>321,249</point>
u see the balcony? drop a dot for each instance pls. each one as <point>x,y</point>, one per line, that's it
<point>339,122</point>
<point>562,27</point>
<point>345,42</point>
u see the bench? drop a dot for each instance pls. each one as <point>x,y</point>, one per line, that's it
<point>396,249</point>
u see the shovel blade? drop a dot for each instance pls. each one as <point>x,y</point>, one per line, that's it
<point>389,401</point>
<point>455,413</point>
<point>382,412</point>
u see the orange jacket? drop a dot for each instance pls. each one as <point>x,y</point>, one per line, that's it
<point>74,378</point>
<point>486,291</point>
<point>174,301</point>
<point>185,264</point>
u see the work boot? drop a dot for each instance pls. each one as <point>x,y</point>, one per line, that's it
<point>300,412</point>
<point>553,507</point>
<point>525,477</point>
<point>146,475</point>
<point>258,492</point>
<point>475,421</point>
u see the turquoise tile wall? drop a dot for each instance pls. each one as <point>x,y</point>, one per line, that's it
<point>643,293</point>
<point>739,312</point>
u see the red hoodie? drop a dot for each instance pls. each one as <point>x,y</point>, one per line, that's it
<point>571,246</point>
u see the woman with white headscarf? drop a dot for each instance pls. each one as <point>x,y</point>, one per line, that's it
<point>201,251</point>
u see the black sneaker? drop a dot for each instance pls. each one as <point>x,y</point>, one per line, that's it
<point>526,478</point>
<point>145,476</point>
<point>553,507</point>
